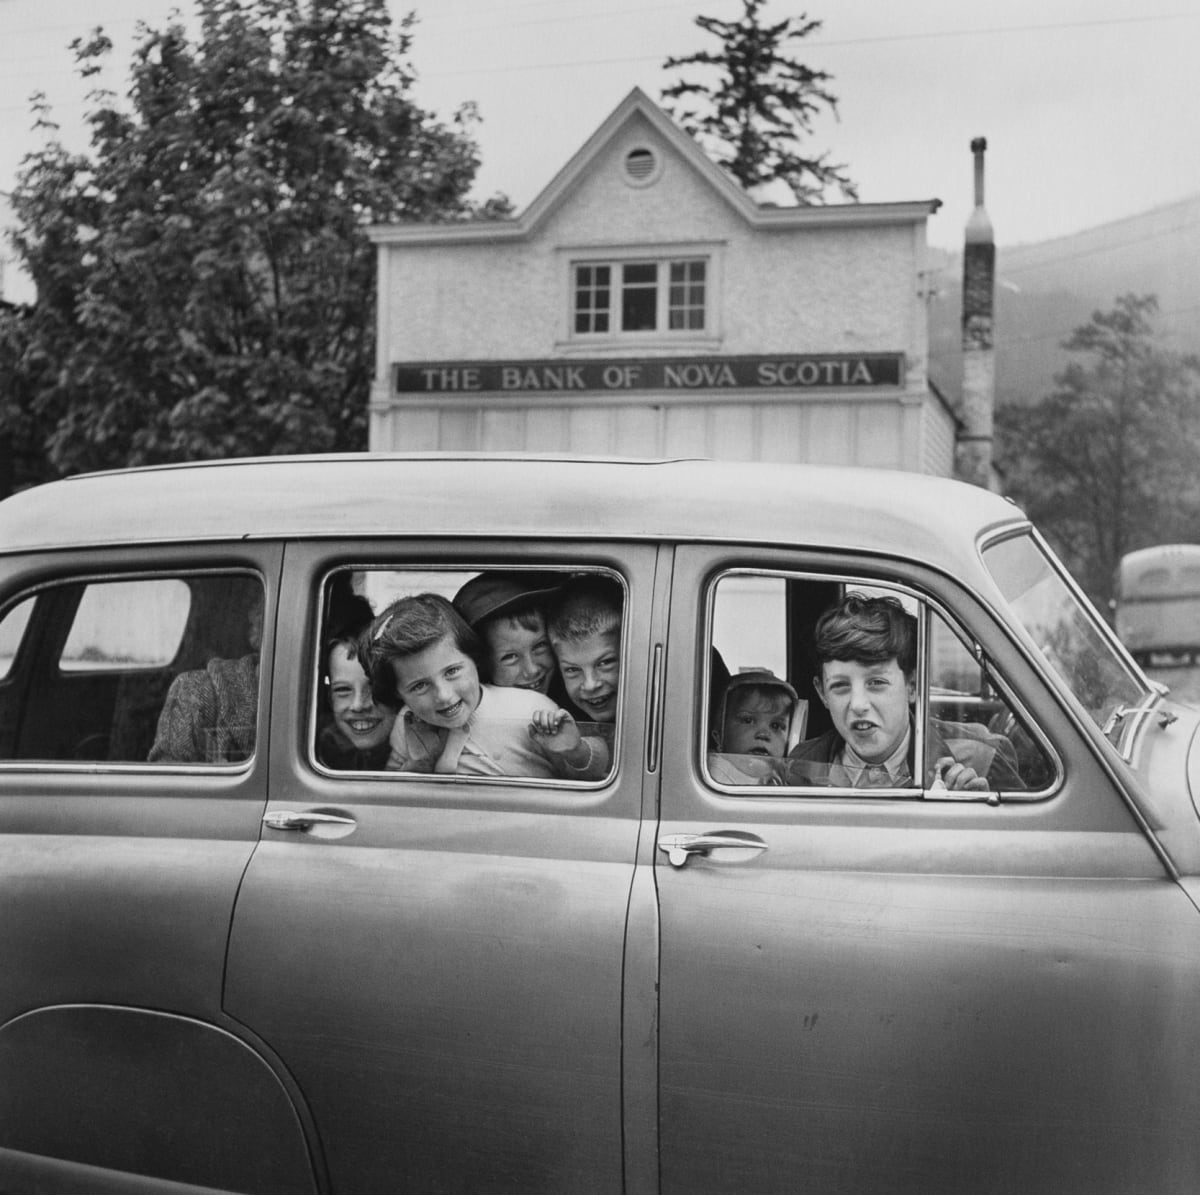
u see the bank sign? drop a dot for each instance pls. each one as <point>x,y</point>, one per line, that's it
<point>815,371</point>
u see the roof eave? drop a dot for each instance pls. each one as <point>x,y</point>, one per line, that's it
<point>565,181</point>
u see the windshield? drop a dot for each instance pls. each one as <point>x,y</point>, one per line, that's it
<point>1067,629</point>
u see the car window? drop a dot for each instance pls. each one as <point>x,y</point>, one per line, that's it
<point>127,624</point>
<point>478,673</point>
<point>1075,642</point>
<point>12,632</point>
<point>148,670</point>
<point>780,714</point>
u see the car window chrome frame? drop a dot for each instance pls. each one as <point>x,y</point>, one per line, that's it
<point>926,604</point>
<point>421,566</point>
<point>142,767</point>
<point>1121,727</point>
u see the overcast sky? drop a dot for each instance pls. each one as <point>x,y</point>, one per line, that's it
<point>1091,108</point>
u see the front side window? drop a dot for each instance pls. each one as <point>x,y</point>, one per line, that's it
<point>1071,636</point>
<point>640,296</point>
<point>819,684</point>
<point>160,670</point>
<point>483,673</point>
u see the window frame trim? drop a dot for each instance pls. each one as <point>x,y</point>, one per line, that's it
<point>916,794</point>
<point>597,790</point>
<point>662,255</point>
<point>175,570</point>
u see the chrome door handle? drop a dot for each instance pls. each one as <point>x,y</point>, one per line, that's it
<point>679,846</point>
<point>285,819</point>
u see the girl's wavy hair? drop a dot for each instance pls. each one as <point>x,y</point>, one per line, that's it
<point>408,626</point>
<point>868,630</point>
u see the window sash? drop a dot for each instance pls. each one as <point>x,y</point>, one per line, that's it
<point>639,297</point>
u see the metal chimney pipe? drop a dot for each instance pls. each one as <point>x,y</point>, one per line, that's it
<point>973,450</point>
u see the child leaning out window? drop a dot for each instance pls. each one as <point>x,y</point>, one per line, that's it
<point>425,658</point>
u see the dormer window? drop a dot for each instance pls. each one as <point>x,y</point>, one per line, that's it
<point>663,295</point>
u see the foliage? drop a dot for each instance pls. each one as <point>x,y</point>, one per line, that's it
<point>761,105</point>
<point>205,285</point>
<point>22,461</point>
<point>1108,462</point>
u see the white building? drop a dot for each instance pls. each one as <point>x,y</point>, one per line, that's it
<point>644,305</point>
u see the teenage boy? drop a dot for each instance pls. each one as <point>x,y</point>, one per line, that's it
<point>867,651</point>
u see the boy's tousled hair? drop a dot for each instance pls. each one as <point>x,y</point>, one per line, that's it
<point>408,626</point>
<point>868,630</point>
<point>589,606</point>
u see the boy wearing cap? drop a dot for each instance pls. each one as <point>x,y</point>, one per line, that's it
<point>507,611</point>
<point>752,729</point>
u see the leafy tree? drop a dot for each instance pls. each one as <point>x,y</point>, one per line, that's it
<point>1108,462</point>
<point>22,460</point>
<point>753,116</point>
<point>205,286</point>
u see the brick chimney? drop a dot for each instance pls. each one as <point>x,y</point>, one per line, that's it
<point>973,450</point>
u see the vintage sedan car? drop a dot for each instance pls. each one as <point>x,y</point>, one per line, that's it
<point>232,962</point>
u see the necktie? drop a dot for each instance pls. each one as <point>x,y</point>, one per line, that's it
<point>876,776</point>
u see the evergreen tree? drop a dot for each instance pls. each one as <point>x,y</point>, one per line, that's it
<point>753,116</point>
<point>205,286</point>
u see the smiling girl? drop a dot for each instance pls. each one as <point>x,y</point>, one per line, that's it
<point>424,657</point>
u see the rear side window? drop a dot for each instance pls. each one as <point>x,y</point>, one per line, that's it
<point>819,684</point>
<point>476,673</point>
<point>127,624</point>
<point>12,633</point>
<point>152,670</point>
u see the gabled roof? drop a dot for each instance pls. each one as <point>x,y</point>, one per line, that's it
<point>638,104</point>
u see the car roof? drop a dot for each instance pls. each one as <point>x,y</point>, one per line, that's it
<point>501,496</point>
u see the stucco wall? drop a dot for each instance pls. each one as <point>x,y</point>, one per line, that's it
<point>795,290</point>
<point>840,289</point>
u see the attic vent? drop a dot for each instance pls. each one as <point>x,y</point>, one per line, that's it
<point>641,167</point>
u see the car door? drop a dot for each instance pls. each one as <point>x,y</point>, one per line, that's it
<point>118,874</point>
<point>439,959</point>
<point>908,992</point>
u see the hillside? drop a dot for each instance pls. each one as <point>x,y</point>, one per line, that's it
<point>1044,291</point>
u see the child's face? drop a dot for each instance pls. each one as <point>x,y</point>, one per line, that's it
<point>756,724</point>
<point>440,684</point>
<point>869,704</point>
<point>520,657</point>
<point>591,668</point>
<point>365,723</point>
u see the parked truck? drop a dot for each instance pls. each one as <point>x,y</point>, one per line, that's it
<point>1158,603</point>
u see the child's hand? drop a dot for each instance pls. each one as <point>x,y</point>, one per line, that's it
<point>555,730</point>
<point>951,774</point>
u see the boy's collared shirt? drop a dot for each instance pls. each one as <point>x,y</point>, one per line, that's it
<point>850,770</point>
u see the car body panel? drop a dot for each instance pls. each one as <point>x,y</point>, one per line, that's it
<point>445,978</point>
<point>118,886</point>
<point>892,995</point>
<point>205,1099</point>
<point>504,983</point>
<point>541,499</point>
